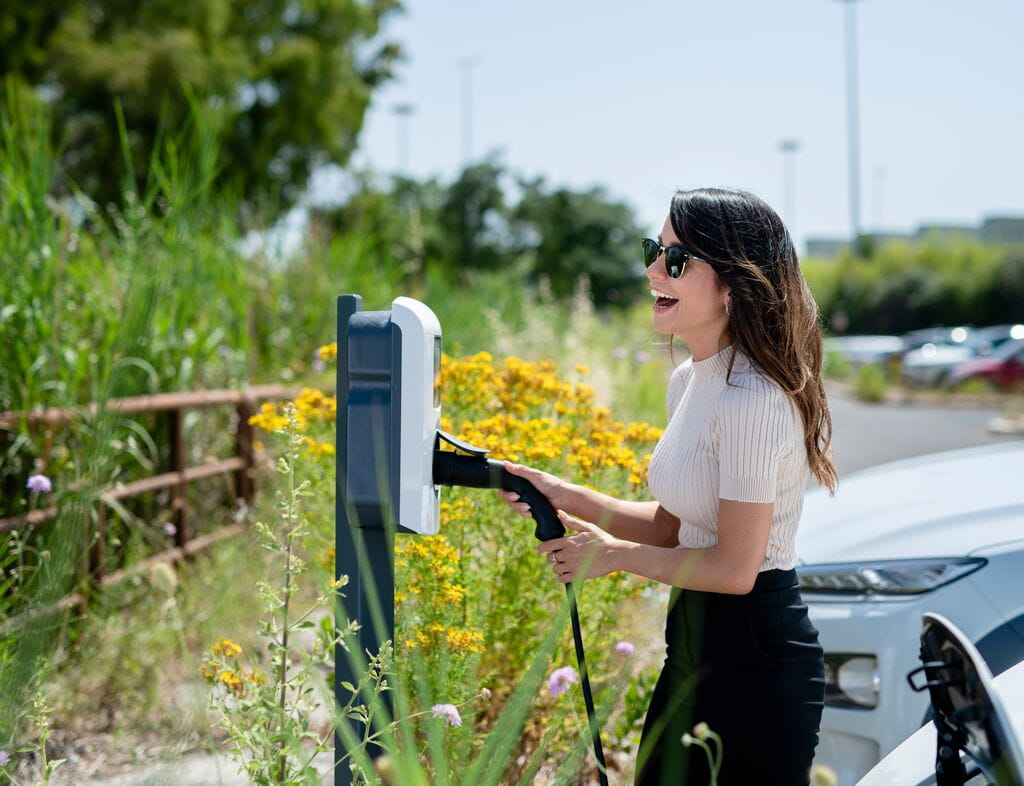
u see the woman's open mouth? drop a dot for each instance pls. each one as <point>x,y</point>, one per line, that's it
<point>663,302</point>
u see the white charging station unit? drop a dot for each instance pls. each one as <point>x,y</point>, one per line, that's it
<point>419,500</point>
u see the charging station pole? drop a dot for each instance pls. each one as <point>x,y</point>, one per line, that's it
<point>363,539</point>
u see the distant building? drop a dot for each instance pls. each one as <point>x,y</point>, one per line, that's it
<point>1002,229</point>
<point>826,247</point>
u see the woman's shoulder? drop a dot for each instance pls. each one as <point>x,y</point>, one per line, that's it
<point>748,386</point>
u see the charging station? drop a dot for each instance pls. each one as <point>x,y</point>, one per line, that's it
<point>389,471</point>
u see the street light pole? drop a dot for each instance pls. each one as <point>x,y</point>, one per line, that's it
<point>402,112</point>
<point>789,148</point>
<point>853,126</point>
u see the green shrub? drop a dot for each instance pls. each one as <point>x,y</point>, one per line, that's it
<point>870,383</point>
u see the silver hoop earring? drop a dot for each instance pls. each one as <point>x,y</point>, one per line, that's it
<point>728,312</point>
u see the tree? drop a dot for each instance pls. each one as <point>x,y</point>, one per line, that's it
<point>570,233</point>
<point>292,78</point>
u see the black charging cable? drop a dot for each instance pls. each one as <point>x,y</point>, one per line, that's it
<point>477,471</point>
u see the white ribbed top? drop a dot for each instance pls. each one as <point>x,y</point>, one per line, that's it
<point>742,441</point>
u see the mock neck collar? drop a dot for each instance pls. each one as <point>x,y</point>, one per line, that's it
<point>718,364</point>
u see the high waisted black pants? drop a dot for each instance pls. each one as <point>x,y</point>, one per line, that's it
<point>749,666</point>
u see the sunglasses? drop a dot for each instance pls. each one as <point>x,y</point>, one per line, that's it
<point>675,257</point>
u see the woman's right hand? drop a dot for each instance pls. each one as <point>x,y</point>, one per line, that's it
<point>558,491</point>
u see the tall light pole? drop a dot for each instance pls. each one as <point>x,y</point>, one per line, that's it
<point>466,65</point>
<point>402,113</point>
<point>789,148</point>
<point>853,126</point>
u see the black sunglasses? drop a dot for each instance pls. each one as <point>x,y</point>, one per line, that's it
<point>675,257</point>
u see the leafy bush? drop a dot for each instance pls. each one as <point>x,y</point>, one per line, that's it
<point>870,383</point>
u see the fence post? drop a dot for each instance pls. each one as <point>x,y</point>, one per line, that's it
<point>244,480</point>
<point>177,436</point>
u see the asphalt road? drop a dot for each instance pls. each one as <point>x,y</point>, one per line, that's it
<point>868,434</point>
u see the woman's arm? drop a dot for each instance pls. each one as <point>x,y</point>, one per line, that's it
<point>730,566</point>
<point>636,522</point>
<point>646,523</point>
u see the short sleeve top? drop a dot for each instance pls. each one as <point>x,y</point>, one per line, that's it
<point>739,438</point>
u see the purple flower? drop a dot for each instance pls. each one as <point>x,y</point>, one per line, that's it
<point>448,713</point>
<point>39,483</point>
<point>641,357</point>
<point>625,648</point>
<point>318,364</point>
<point>561,679</point>
<point>619,353</point>
<point>169,529</point>
<point>5,758</point>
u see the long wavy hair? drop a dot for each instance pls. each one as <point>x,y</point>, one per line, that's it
<point>774,319</point>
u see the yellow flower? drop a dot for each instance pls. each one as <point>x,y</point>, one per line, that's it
<point>226,648</point>
<point>329,351</point>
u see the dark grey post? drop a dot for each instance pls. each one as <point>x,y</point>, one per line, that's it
<point>367,453</point>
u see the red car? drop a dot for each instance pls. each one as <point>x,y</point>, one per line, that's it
<point>1004,368</point>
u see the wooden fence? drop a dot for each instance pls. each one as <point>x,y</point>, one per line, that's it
<point>177,479</point>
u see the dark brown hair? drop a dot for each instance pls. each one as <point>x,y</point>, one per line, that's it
<point>774,319</point>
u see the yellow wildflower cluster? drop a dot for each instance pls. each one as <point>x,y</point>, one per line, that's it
<point>317,449</point>
<point>565,420</point>
<point>434,555</point>
<point>314,406</point>
<point>226,648</point>
<point>269,418</point>
<point>329,351</point>
<point>311,407</point>
<point>430,637</point>
<point>231,676</point>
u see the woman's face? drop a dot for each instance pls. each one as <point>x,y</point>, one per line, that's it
<point>691,306</point>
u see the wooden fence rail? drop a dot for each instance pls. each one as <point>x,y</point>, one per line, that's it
<point>178,479</point>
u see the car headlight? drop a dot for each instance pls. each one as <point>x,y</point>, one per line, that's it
<point>851,681</point>
<point>886,577</point>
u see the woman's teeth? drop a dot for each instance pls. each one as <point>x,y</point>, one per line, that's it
<point>662,301</point>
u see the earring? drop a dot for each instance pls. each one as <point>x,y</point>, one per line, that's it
<point>728,312</point>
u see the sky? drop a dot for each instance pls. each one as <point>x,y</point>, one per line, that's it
<point>648,96</point>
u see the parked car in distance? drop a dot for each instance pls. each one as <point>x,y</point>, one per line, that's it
<point>980,718</point>
<point>941,533</point>
<point>862,350</point>
<point>1004,368</point>
<point>931,363</point>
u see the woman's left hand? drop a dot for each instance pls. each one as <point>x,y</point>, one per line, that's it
<point>592,549</point>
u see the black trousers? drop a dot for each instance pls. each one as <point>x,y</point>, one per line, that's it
<point>749,666</point>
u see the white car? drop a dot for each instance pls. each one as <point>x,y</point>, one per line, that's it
<point>941,533</point>
<point>979,719</point>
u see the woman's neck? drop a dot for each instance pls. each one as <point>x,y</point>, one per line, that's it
<point>704,347</point>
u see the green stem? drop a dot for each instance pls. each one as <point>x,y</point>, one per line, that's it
<point>283,761</point>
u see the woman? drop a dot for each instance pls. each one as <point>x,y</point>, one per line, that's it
<point>748,422</point>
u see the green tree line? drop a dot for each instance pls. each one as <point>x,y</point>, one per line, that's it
<point>903,287</point>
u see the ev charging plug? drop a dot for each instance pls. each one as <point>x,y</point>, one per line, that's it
<point>475,470</point>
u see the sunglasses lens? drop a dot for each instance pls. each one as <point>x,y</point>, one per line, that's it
<point>675,261</point>
<point>650,250</point>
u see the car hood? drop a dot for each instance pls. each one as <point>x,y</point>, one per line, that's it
<point>945,504</point>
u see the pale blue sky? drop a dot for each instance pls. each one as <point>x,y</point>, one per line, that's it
<point>646,96</point>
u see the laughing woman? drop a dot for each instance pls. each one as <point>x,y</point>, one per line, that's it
<point>748,423</point>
